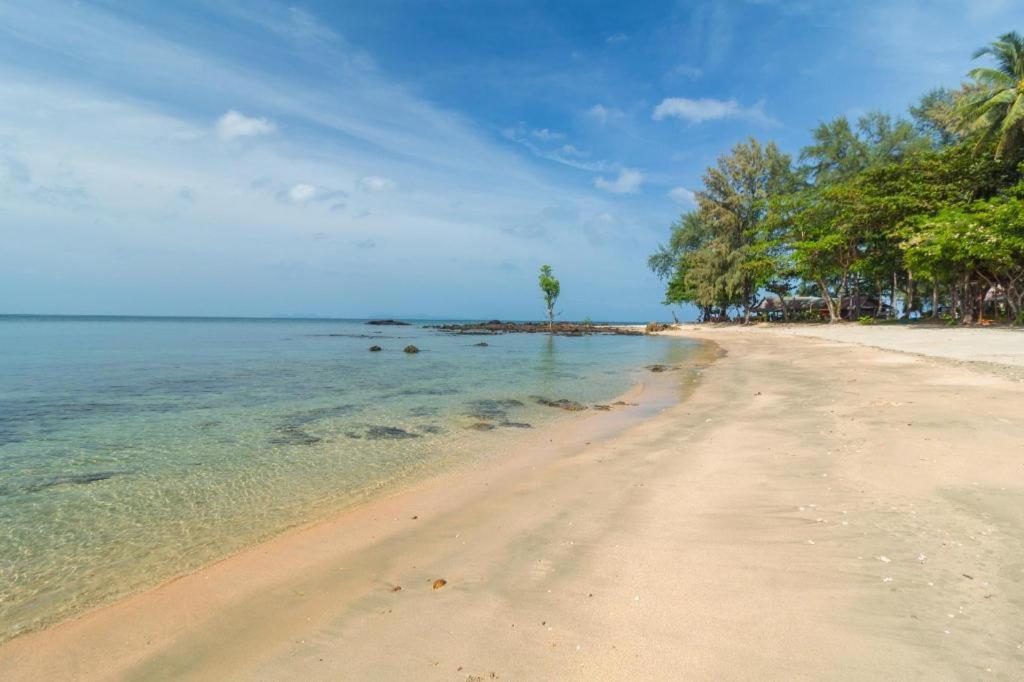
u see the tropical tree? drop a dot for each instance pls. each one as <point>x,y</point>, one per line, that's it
<point>935,117</point>
<point>551,288</point>
<point>996,108</point>
<point>734,204</point>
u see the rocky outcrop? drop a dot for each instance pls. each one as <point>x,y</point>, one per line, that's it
<point>375,349</point>
<point>559,328</point>
<point>397,323</point>
<point>411,349</point>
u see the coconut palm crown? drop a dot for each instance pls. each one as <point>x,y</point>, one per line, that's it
<point>995,108</point>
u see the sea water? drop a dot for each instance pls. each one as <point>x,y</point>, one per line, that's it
<point>134,449</point>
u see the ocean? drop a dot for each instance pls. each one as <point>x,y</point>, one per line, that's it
<point>135,449</point>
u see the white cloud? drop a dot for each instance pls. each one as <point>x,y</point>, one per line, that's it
<point>602,114</point>
<point>572,150</point>
<point>234,124</point>
<point>301,193</point>
<point>375,183</point>
<point>616,38</point>
<point>708,109</point>
<point>628,182</point>
<point>682,195</point>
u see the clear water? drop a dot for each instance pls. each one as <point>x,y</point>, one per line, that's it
<point>133,449</point>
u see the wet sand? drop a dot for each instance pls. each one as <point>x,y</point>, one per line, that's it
<point>812,510</point>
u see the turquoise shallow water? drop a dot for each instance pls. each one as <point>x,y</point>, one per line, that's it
<point>133,449</point>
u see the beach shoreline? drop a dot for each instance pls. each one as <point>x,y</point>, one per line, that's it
<point>809,511</point>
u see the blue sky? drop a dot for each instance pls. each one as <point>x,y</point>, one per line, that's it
<point>410,158</point>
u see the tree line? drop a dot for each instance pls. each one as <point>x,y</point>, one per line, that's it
<point>926,213</point>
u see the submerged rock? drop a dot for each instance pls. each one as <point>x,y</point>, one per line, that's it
<point>660,368</point>
<point>482,344</point>
<point>492,409</point>
<point>602,408</point>
<point>71,479</point>
<point>411,349</point>
<point>374,349</point>
<point>562,403</point>
<point>293,435</point>
<point>389,432</point>
<point>482,426</point>
<point>515,425</point>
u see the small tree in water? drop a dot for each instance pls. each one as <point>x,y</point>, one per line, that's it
<point>551,288</point>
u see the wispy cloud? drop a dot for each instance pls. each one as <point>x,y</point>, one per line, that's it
<point>681,195</point>
<point>686,71</point>
<point>546,135</point>
<point>616,38</point>
<point>627,182</point>
<point>603,115</point>
<point>565,154</point>
<point>708,109</point>
<point>234,125</point>
<point>375,183</point>
<point>301,193</point>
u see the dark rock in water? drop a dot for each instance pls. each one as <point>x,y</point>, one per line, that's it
<point>388,432</point>
<point>71,479</point>
<point>620,402</point>
<point>293,435</point>
<point>303,417</point>
<point>411,349</point>
<point>660,368</point>
<point>482,344</point>
<point>482,426</point>
<point>397,323</point>
<point>431,428</point>
<point>562,403</point>
<point>492,409</point>
<point>374,349</point>
<point>423,411</point>
<point>515,425</point>
<point>602,408</point>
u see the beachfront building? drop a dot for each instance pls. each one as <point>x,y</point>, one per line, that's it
<point>815,307</point>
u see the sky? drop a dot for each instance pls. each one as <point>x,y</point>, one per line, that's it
<point>411,159</point>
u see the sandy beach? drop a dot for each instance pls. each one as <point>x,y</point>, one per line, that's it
<point>816,506</point>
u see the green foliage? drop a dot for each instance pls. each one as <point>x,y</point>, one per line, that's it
<point>551,288</point>
<point>866,319</point>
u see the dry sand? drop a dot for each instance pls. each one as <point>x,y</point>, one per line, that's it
<point>814,510</point>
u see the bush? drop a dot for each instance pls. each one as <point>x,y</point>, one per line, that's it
<point>866,319</point>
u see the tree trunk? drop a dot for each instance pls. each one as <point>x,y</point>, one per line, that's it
<point>878,308</point>
<point>935,299</point>
<point>892,298</point>
<point>833,311</point>
<point>910,295</point>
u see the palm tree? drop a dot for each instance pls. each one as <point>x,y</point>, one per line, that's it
<point>996,107</point>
